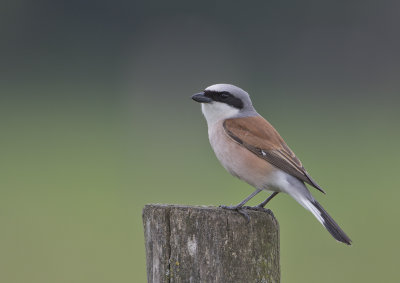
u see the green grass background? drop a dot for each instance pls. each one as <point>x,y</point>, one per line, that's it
<point>76,173</point>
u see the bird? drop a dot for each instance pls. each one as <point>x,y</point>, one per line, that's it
<point>250,148</point>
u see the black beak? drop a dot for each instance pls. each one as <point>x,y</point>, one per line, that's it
<point>200,97</point>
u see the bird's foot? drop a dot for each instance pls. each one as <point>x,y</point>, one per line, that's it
<point>239,209</point>
<point>256,208</point>
<point>259,208</point>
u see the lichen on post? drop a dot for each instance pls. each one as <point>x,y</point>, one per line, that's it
<point>210,244</point>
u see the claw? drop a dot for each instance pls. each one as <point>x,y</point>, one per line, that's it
<point>258,208</point>
<point>238,209</point>
<point>255,208</point>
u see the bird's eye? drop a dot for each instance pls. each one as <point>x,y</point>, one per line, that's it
<point>224,95</point>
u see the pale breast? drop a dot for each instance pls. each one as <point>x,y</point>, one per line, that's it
<point>237,160</point>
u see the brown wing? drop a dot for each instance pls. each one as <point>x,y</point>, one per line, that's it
<point>260,137</point>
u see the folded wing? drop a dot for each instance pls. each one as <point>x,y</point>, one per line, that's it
<point>260,137</point>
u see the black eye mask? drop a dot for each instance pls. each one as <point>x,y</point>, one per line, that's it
<point>224,97</point>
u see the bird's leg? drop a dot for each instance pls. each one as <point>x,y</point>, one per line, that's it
<point>243,202</point>
<point>260,207</point>
<point>264,203</point>
<point>239,206</point>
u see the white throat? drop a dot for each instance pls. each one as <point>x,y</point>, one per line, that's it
<point>217,111</point>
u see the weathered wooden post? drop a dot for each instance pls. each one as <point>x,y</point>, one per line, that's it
<point>210,244</point>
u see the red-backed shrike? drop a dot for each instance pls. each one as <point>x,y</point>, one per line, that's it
<point>251,149</point>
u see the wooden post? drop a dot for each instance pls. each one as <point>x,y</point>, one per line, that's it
<point>210,244</point>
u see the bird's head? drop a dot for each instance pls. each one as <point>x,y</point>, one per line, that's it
<point>224,101</point>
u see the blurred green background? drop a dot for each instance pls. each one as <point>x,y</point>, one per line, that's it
<point>97,121</point>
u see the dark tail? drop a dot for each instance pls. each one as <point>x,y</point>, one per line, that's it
<point>331,225</point>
